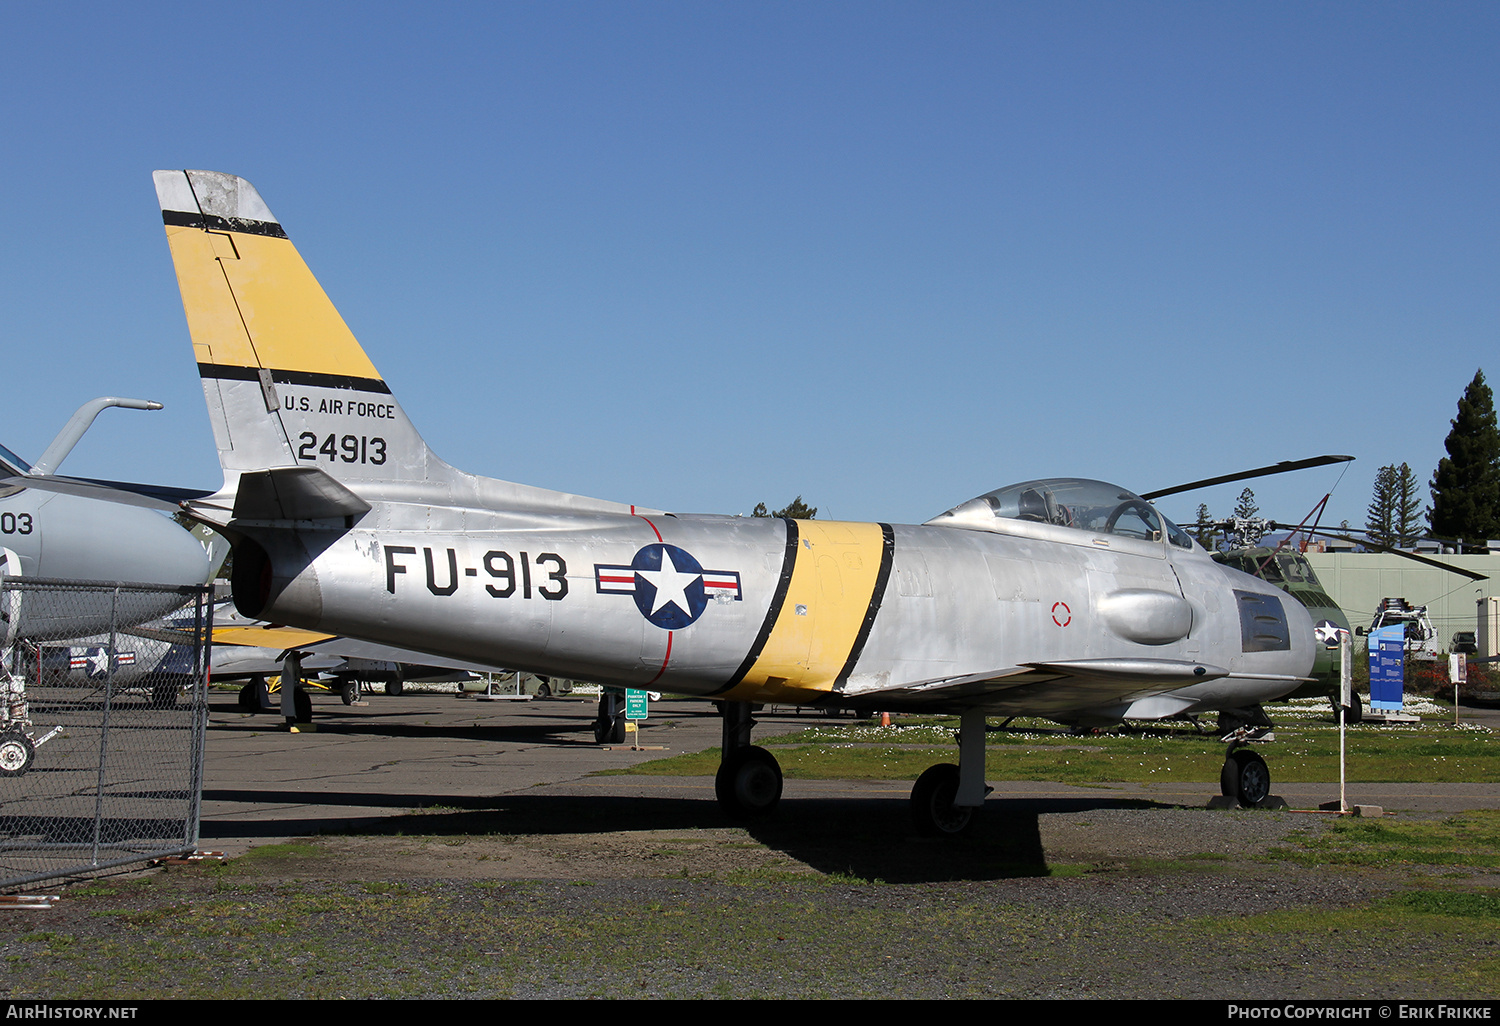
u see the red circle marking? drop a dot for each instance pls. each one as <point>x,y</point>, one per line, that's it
<point>1067,614</point>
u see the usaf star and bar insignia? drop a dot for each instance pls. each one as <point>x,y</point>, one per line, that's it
<point>670,587</point>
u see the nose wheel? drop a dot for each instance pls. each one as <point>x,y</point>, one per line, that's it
<point>1245,778</point>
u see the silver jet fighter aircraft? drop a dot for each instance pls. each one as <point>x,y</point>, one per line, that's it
<point>1070,599</point>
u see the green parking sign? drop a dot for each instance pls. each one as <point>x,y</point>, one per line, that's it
<point>635,704</point>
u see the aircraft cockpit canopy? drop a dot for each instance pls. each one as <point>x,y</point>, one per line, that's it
<point>12,463</point>
<point>1074,502</point>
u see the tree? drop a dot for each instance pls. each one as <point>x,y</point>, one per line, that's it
<point>795,510</point>
<point>1380,519</point>
<point>1407,512</point>
<point>1466,487</point>
<point>1204,530</point>
<point>1246,506</point>
<point>1394,516</point>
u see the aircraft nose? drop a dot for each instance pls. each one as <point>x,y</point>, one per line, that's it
<point>172,555</point>
<point>89,540</point>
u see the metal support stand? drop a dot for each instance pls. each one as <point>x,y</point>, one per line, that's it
<point>291,676</point>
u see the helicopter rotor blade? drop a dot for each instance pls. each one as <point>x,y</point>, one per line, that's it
<point>1376,546</point>
<point>1283,467</point>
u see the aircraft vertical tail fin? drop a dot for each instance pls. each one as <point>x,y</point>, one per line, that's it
<point>286,382</point>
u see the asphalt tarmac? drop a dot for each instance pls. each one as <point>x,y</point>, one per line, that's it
<point>360,768</point>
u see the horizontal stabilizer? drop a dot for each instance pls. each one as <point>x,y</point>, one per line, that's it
<point>294,493</point>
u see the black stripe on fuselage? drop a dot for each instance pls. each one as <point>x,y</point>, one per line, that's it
<point>215,223</point>
<point>288,377</point>
<point>887,557</point>
<point>788,561</point>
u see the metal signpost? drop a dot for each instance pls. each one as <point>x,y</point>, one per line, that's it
<point>636,707</point>
<point>1346,699</point>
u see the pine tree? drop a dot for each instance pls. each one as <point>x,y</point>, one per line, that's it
<point>1466,487</point>
<point>1380,517</point>
<point>1203,529</point>
<point>1407,516</point>
<point>1246,506</point>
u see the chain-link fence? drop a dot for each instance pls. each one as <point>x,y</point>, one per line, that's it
<point>102,715</point>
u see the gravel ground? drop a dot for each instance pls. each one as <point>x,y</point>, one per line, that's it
<point>827,902</point>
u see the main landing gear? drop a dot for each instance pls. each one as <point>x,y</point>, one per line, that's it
<point>943,801</point>
<point>609,725</point>
<point>748,784</point>
<point>946,797</point>
<point>257,697</point>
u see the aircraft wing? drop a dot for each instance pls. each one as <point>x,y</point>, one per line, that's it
<point>351,648</point>
<point>327,651</point>
<point>149,496</point>
<point>245,645</point>
<point>1056,689</point>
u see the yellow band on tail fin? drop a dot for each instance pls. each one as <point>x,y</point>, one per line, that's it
<point>251,301</point>
<point>287,384</point>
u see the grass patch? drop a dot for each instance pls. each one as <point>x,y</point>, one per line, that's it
<point>667,938</point>
<point>1443,948</point>
<point>1463,904</point>
<point>385,887</point>
<point>292,849</point>
<point>1471,839</point>
<point>1306,751</point>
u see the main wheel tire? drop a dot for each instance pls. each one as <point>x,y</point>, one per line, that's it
<point>349,692</point>
<point>302,705</point>
<point>748,784</point>
<point>164,694</point>
<point>932,810</point>
<point>250,697</point>
<point>610,732</point>
<point>1245,778</point>
<point>16,753</point>
<point>394,687</point>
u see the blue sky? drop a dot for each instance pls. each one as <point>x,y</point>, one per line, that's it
<point>696,256</point>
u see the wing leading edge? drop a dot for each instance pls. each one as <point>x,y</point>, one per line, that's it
<point>1085,690</point>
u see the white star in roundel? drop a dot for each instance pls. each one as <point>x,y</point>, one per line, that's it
<point>670,583</point>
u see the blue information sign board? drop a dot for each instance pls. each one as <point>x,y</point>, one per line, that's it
<point>1387,666</point>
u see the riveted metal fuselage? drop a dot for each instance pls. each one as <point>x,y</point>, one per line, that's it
<point>765,609</point>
